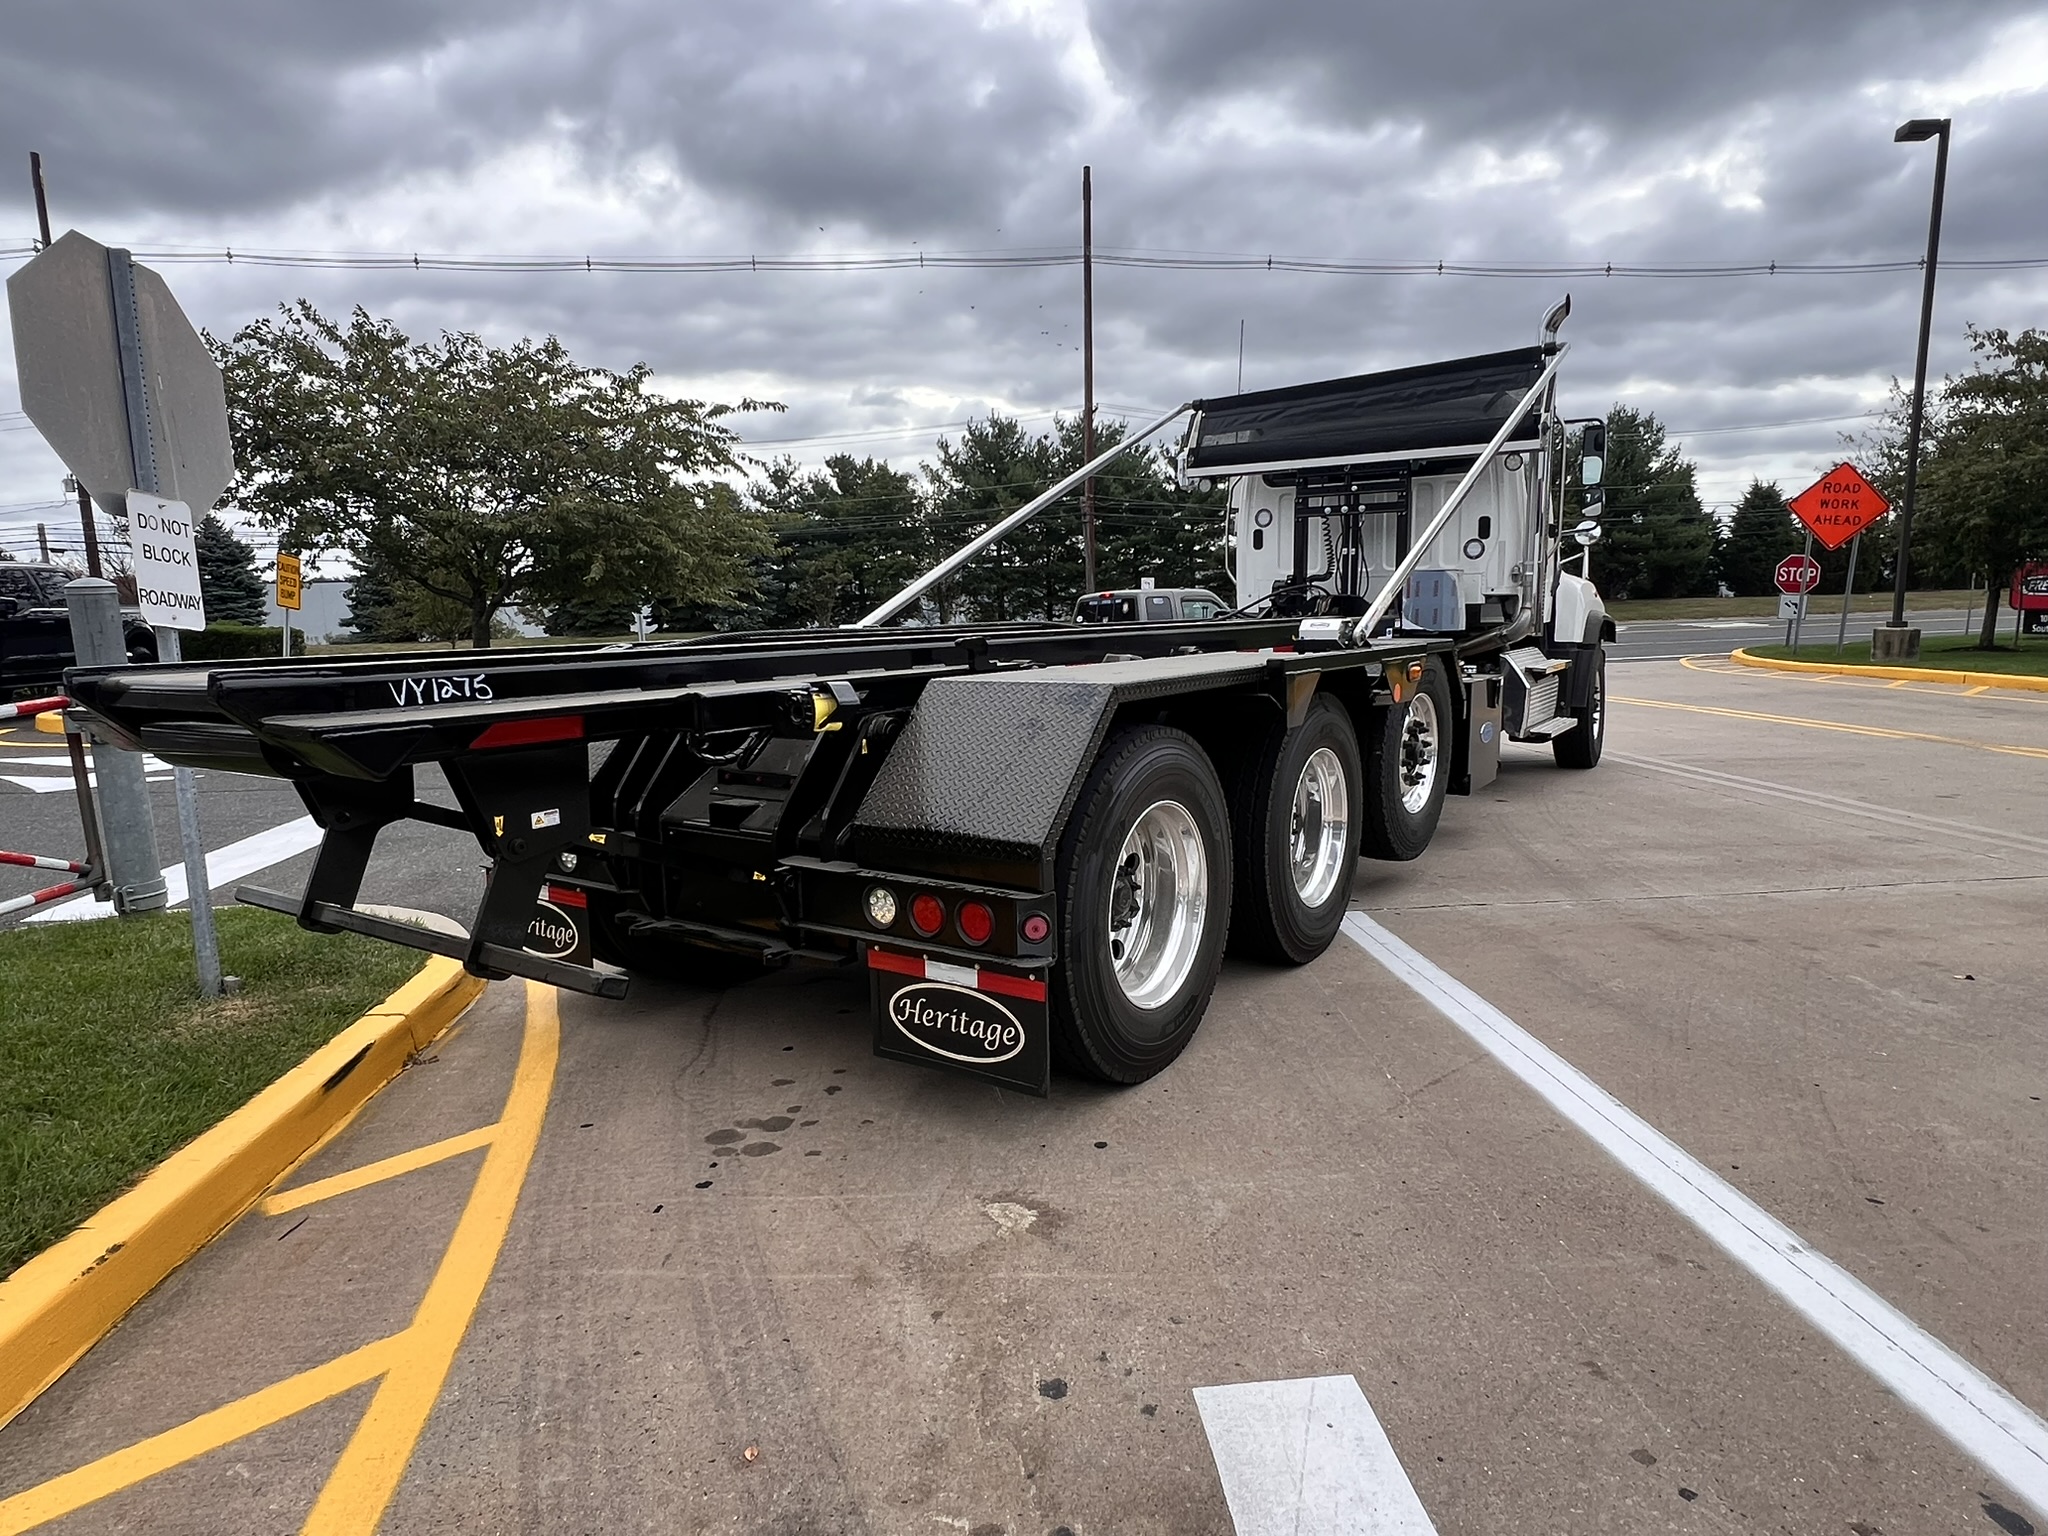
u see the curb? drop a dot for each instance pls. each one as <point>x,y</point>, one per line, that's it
<point>64,1300</point>
<point>1897,674</point>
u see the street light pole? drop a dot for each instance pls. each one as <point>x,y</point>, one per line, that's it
<point>1918,131</point>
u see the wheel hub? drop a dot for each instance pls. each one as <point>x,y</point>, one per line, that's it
<point>1318,827</point>
<point>1158,904</point>
<point>1419,753</point>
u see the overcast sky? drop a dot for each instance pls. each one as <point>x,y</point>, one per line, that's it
<point>1481,130</point>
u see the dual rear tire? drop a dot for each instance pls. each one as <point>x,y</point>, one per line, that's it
<point>1160,868</point>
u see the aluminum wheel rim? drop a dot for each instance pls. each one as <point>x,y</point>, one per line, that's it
<point>1598,717</point>
<point>1319,827</point>
<point>1419,753</point>
<point>1158,904</point>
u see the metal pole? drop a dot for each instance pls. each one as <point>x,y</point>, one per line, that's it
<point>1088,375</point>
<point>1848,591</point>
<point>1030,509</point>
<point>142,445</point>
<point>1420,547</point>
<point>43,540</point>
<point>1920,380</point>
<point>35,176</point>
<point>127,826</point>
<point>1799,613</point>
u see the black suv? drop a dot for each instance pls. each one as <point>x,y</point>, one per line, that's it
<point>35,629</point>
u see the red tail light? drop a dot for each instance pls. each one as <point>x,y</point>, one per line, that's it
<point>927,913</point>
<point>975,922</point>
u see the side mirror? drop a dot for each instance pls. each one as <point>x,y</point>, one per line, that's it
<point>1592,452</point>
<point>9,607</point>
<point>1587,532</point>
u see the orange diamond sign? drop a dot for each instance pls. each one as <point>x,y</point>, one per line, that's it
<point>1838,506</point>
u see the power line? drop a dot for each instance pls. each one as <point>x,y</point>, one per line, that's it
<point>1032,259</point>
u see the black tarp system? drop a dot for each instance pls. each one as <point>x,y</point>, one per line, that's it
<point>1437,406</point>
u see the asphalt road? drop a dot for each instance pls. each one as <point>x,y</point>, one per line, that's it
<point>754,1279</point>
<point>1669,639</point>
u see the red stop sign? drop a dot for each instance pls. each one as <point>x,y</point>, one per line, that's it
<point>1798,573</point>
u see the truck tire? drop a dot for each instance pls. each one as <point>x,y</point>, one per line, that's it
<point>1408,769</point>
<point>1580,746</point>
<point>660,958</point>
<point>1295,838</point>
<point>1144,888</point>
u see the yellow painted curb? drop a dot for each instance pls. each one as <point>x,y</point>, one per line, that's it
<point>51,722</point>
<point>1896,674</point>
<point>61,1302</point>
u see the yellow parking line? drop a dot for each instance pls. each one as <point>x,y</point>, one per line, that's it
<point>1835,725</point>
<point>413,1363</point>
<point>209,1432</point>
<point>376,1173</point>
<point>355,1497</point>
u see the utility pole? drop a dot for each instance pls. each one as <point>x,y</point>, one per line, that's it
<point>43,539</point>
<point>1087,376</point>
<point>92,540</point>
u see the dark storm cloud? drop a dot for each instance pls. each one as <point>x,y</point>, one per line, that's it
<point>901,119</point>
<point>1476,67</point>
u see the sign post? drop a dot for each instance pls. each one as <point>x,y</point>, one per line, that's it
<point>1796,575</point>
<point>126,391</point>
<point>287,594</point>
<point>1836,509</point>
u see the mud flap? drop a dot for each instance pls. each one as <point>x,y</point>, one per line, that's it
<point>560,926</point>
<point>962,1018</point>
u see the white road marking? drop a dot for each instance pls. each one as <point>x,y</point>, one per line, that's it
<point>1308,1458</point>
<point>53,786</point>
<point>1813,799</point>
<point>150,763</point>
<point>223,867</point>
<point>1986,1422</point>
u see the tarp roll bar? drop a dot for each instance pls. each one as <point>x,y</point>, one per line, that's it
<point>1023,514</point>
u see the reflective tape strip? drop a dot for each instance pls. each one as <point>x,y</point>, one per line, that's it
<point>979,979</point>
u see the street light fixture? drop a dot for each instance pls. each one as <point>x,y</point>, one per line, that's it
<point>1904,643</point>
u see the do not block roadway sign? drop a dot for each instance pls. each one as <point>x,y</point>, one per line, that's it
<point>160,543</point>
<point>1838,506</point>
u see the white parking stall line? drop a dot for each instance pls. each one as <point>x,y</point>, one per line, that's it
<point>1980,1417</point>
<point>1308,1458</point>
<point>223,867</point>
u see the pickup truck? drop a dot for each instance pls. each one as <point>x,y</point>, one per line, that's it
<point>35,629</point>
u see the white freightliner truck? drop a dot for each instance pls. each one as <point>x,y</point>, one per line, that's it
<point>1035,840</point>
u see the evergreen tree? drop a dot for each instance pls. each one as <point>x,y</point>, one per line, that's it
<point>227,575</point>
<point>1659,541</point>
<point>1761,533</point>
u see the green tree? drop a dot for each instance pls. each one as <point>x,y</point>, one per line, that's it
<point>1659,541</point>
<point>1984,472</point>
<point>482,476</point>
<point>1760,534</point>
<point>227,574</point>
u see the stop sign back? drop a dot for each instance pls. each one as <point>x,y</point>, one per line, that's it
<point>1838,506</point>
<point>1798,573</point>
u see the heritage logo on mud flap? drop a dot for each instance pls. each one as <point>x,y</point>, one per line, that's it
<point>943,1024</point>
<point>559,927</point>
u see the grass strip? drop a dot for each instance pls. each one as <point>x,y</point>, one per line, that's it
<point>109,1061</point>
<point>1940,653</point>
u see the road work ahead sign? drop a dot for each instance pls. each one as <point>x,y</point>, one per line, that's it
<point>166,564</point>
<point>1838,506</point>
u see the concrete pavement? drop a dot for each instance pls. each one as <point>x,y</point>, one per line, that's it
<point>1793,924</point>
